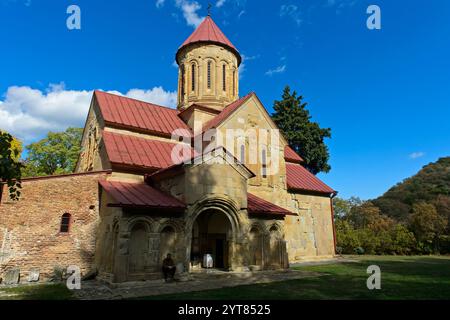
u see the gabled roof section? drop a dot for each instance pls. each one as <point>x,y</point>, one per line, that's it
<point>209,32</point>
<point>198,159</point>
<point>229,110</point>
<point>139,195</point>
<point>141,153</point>
<point>226,112</point>
<point>256,205</point>
<point>300,179</point>
<point>291,156</point>
<point>131,114</point>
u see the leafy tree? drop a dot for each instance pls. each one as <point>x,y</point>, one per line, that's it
<point>342,207</point>
<point>56,154</point>
<point>402,240</point>
<point>303,135</point>
<point>369,216</point>
<point>346,236</point>
<point>10,167</point>
<point>427,225</point>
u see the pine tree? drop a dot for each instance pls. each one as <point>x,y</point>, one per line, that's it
<point>303,135</point>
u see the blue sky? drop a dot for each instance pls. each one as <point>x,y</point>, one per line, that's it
<point>384,93</point>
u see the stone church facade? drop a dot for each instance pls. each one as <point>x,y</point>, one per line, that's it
<point>149,183</point>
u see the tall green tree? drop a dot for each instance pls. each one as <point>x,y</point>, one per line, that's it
<point>10,166</point>
<point>303,135</point>
<point>56,154</point>
<point>427,225</point>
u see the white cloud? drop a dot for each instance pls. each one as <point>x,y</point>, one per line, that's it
<point>243,65</point>
<point>189,9</point>
<point>292,11</point>
<point>160,3</point>
<point>157,95</point>
<point>416,155</point>
<point>339,5</point>
<point>220,3</point>
<point>30,113</point>
<point>279,69</point>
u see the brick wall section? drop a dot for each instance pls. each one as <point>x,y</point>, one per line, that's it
<point>29,228</point>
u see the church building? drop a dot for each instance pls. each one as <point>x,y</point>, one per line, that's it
<point>213,176</point>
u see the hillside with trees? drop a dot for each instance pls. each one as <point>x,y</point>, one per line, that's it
<point>410,218</point>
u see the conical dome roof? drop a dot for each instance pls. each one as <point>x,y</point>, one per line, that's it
<point>209,32</point>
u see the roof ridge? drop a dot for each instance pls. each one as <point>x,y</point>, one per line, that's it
<point>125,97</point>
<point>240,101</point>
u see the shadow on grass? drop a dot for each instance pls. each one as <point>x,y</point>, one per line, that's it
<point>402,278</point>
<point>36,292</point>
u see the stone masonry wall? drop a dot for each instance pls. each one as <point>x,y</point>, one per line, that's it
<point>30,235</point>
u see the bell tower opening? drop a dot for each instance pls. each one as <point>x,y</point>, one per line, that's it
<point>208,64</point>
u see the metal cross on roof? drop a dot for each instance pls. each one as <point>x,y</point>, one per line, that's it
<point>209,9</point>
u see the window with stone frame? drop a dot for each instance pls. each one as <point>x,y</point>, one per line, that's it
<point>182,81</point>
<point>264,163</point>
<point>66,221</point>
<point>193,76</point>
<point>209,74</point>
<point>224,77</point>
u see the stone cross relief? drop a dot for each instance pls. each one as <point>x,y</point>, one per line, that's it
<point>6,245</point>
<point>92,146</point>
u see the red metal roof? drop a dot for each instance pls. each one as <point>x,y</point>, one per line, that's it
<point>261,206</point>
<point>298,178</point>
<point>208,31</point>
<point>139,195</point>
<point>291,156</point>
<point>140,152</point>
<point>142,116</point>
<point>226,112</point>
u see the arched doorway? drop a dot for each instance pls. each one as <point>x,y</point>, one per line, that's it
<point>138,248</point>
<point>113,249</point>
<point>277,248</point>
<point>211,234</point>
<point>256,247</point>
<point>168,238</point>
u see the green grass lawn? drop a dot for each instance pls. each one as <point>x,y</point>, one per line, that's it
<point>401,278</point>
<point>36,292</point>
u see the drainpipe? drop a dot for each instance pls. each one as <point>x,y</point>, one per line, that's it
<point>334,194</point>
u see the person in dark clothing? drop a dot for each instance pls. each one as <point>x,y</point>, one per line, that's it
<point>168,268</point>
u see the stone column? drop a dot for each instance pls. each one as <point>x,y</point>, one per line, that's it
<point>121,258</point>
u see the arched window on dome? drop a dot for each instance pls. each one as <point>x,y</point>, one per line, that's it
<point>183,74</point>
<point>234,82</point>
<point>193,76</point>
<point>209,74</point>
<point>224,77</point>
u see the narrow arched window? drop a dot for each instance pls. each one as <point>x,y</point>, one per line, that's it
<point>66,220</point>
<point>224,78</point>
<point>242,156</point>
<point>264,164</point>
<point>182,80</point>
<point>209,75</point>
<point>193,77</point>
<point>234,82</point>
